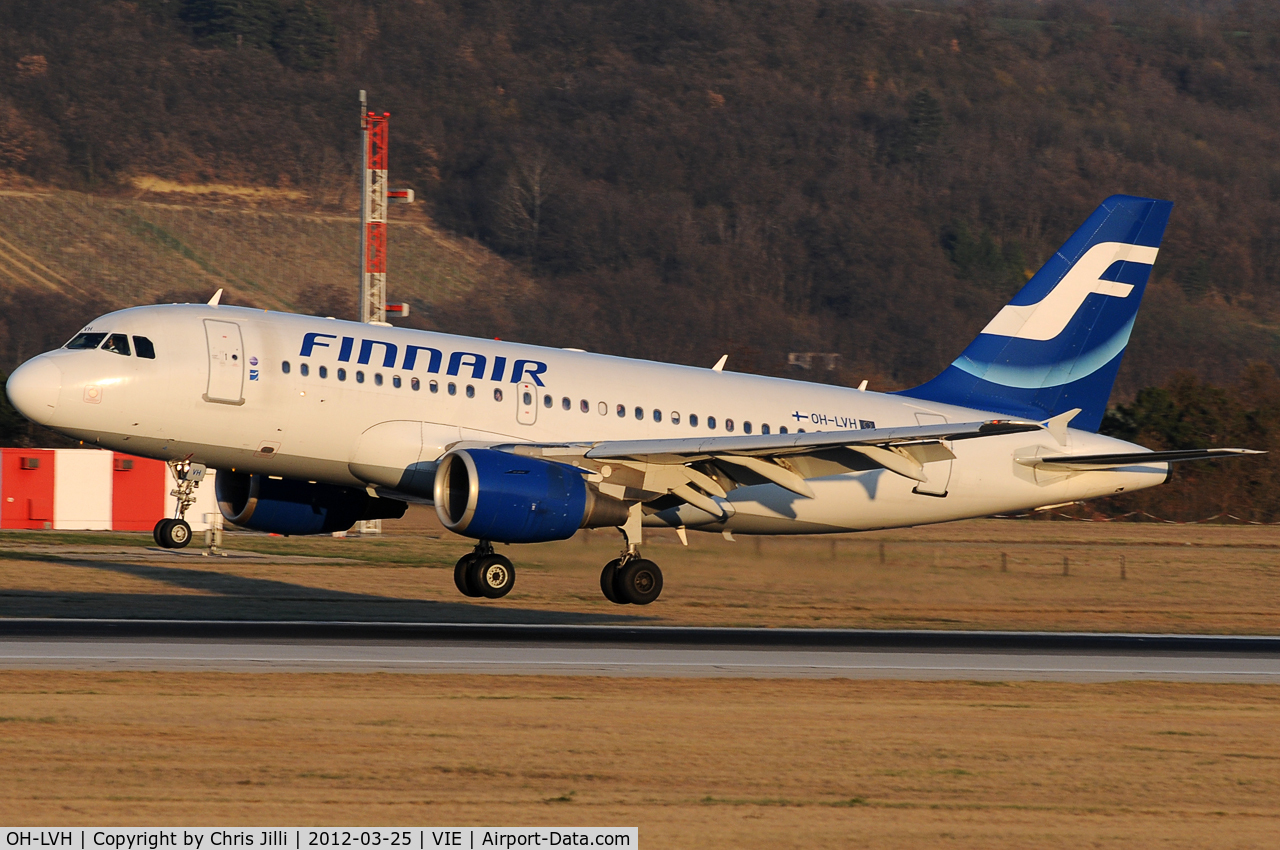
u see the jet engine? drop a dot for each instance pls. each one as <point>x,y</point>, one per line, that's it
<point>283,506</point>
<point>493,495</point>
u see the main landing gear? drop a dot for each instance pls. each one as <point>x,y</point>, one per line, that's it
<point>176,533</point>
<point>626,580</point>
<point>630,579</point>
<point>484,573</point>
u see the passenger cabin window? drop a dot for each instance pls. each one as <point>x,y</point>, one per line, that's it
<point>711,422</point>
<point>453,388</point>
<point>342,374</point>
<point>143,348</point>
<point>746,427</point>
<point>324,371</point>
<point>377,378</point>
<point>622,411</point>
<point>359,376</point>
<point>434,387</point>
<point>782,429</point>
<point>565,403</point>
<point>304,369</point>
<point>764,429</point>
<point>604,409</point>
<point>395,381</point>
<point>81,342</point>
<point>415,384</point>
<point>527,398</point>
<point>693,420</point>
<point>284,367</point>
<point>675,417</point>
<point>584,406</point>
<point>471,391</point>
<point>728,424</point>
<point>117,344</point>
<point>546,401</point>
<point>657,415</point>
<point>497,393</point>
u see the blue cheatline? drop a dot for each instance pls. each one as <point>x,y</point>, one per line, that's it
<point>1058,344</point>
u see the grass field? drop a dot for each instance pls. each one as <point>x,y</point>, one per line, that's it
<point>130,251</point>
<point>693,763</point>
<point>1175,579</point>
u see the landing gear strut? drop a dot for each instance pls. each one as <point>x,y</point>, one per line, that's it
<point>630,579</point>
<point>176,533</point>
<point>484,573</point>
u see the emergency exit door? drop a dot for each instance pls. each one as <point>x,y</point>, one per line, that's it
<point>226,362</point>
<point>526,404</point>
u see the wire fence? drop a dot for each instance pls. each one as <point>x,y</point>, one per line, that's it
<point>1140,515</point>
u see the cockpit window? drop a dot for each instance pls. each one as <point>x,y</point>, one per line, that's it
<point>117,344</point>
<point>83,341</point>
<point>143,348</point>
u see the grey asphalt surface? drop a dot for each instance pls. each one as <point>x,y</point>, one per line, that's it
<point>632,651</point>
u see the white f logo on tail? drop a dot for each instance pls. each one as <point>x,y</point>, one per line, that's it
<point>1049,317</point>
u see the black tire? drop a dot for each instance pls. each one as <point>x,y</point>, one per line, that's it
<point>609,582</point>
<point>639,582</point>
<point>493,576</point>
<point>460,575</point>
<point>175,534</point>
<point>157,533</point>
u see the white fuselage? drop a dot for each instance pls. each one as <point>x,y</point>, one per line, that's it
<point>184,403</point>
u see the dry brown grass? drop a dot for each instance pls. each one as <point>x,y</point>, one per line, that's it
<point>128,251</point>
<point>1179,578</point>
<point>694,763</point>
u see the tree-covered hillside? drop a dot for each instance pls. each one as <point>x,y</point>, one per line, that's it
<point>690,177</point>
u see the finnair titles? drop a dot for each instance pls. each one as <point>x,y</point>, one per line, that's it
<point>315,424</point>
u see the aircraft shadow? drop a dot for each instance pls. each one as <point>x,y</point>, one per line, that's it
<point>225,596</point>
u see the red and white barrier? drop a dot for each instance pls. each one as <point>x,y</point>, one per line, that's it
<point>91,489</point>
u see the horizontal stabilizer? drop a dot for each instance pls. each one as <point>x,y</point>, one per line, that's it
<point>1114,461</point>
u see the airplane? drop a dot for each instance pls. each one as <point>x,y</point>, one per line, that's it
<point>314,424</point>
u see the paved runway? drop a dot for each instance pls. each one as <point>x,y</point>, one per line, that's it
<point>631,651</point>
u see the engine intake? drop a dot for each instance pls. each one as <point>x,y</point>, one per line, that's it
<point>493,495</point>
<point>284,506</point>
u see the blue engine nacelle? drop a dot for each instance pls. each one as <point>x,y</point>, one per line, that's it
<point>282,506</point>
<point>509,498</point>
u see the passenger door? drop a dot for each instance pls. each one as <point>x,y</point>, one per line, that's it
<point>226,362</point>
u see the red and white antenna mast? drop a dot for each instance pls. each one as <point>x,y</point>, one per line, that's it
<point>374,197</point>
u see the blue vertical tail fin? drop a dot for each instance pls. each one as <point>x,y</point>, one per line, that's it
<point>1058,344</point>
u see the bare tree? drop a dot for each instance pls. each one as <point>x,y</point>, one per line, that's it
<point>530,185</point>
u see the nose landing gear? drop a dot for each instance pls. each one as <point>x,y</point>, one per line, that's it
<point>172,533</point>
<point>176,533</point>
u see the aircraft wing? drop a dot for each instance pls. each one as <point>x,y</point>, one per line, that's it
<point>686,449</point>
<point>693,468</point>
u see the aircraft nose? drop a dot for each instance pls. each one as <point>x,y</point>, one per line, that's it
<point>33,389</point>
